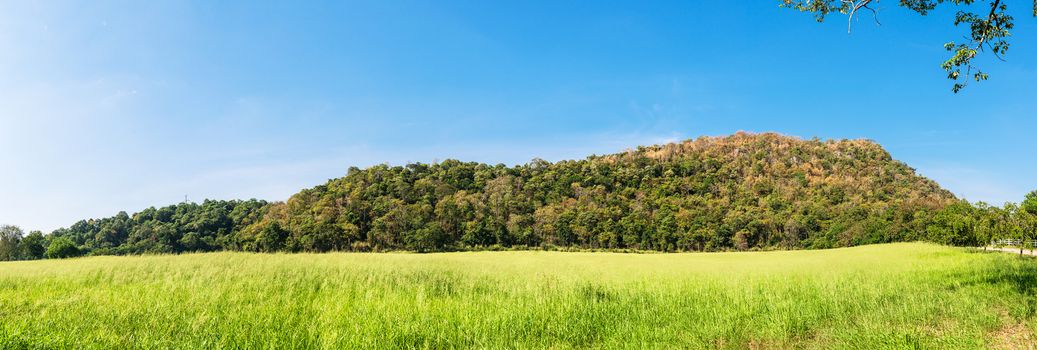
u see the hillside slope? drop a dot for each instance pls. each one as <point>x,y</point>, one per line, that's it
<point>737,192</point>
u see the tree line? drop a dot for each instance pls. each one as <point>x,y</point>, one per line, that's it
<point>974,224</point>
<point>186,227</point>
<point>741,192</point>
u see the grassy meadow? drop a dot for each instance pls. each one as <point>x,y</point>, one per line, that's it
<point>883,296</point>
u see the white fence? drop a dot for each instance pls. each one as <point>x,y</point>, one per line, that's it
<point>1013,243</point>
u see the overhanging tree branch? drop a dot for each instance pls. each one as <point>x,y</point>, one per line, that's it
<point>987,33</point>
<point>854,7</point>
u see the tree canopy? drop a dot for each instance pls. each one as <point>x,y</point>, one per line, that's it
<point>10,238</point>
<point>62,247</point>
<point>1030,203</point>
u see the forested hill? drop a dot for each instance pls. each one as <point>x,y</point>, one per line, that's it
<point>741,192</point>
<point>737,192</point>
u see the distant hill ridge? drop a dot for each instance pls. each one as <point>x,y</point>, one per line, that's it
<point>742,191</point>
<point>772,156</point>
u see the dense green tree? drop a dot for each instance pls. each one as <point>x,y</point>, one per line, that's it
<point>1028,218</point>
<point>33,246</point>
<point>1009,224</point>
<point>10,238</point>
<point>956,225</point>
<point>1029,204</point>
<point>985,221</point>
<point>266,236</point>
<point>62,247</point>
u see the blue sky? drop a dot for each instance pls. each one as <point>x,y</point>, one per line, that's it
<point>109,106</point>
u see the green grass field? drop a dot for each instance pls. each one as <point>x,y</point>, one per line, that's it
<point>883,296</point>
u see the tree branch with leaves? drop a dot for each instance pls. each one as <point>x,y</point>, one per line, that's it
<point>988,30</point>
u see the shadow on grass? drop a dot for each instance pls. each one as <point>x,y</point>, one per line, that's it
<point>1020,274</point>
<point>1017,271</point>
<point>1014,273</point>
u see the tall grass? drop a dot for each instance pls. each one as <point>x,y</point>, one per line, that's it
<point>884,296</point>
